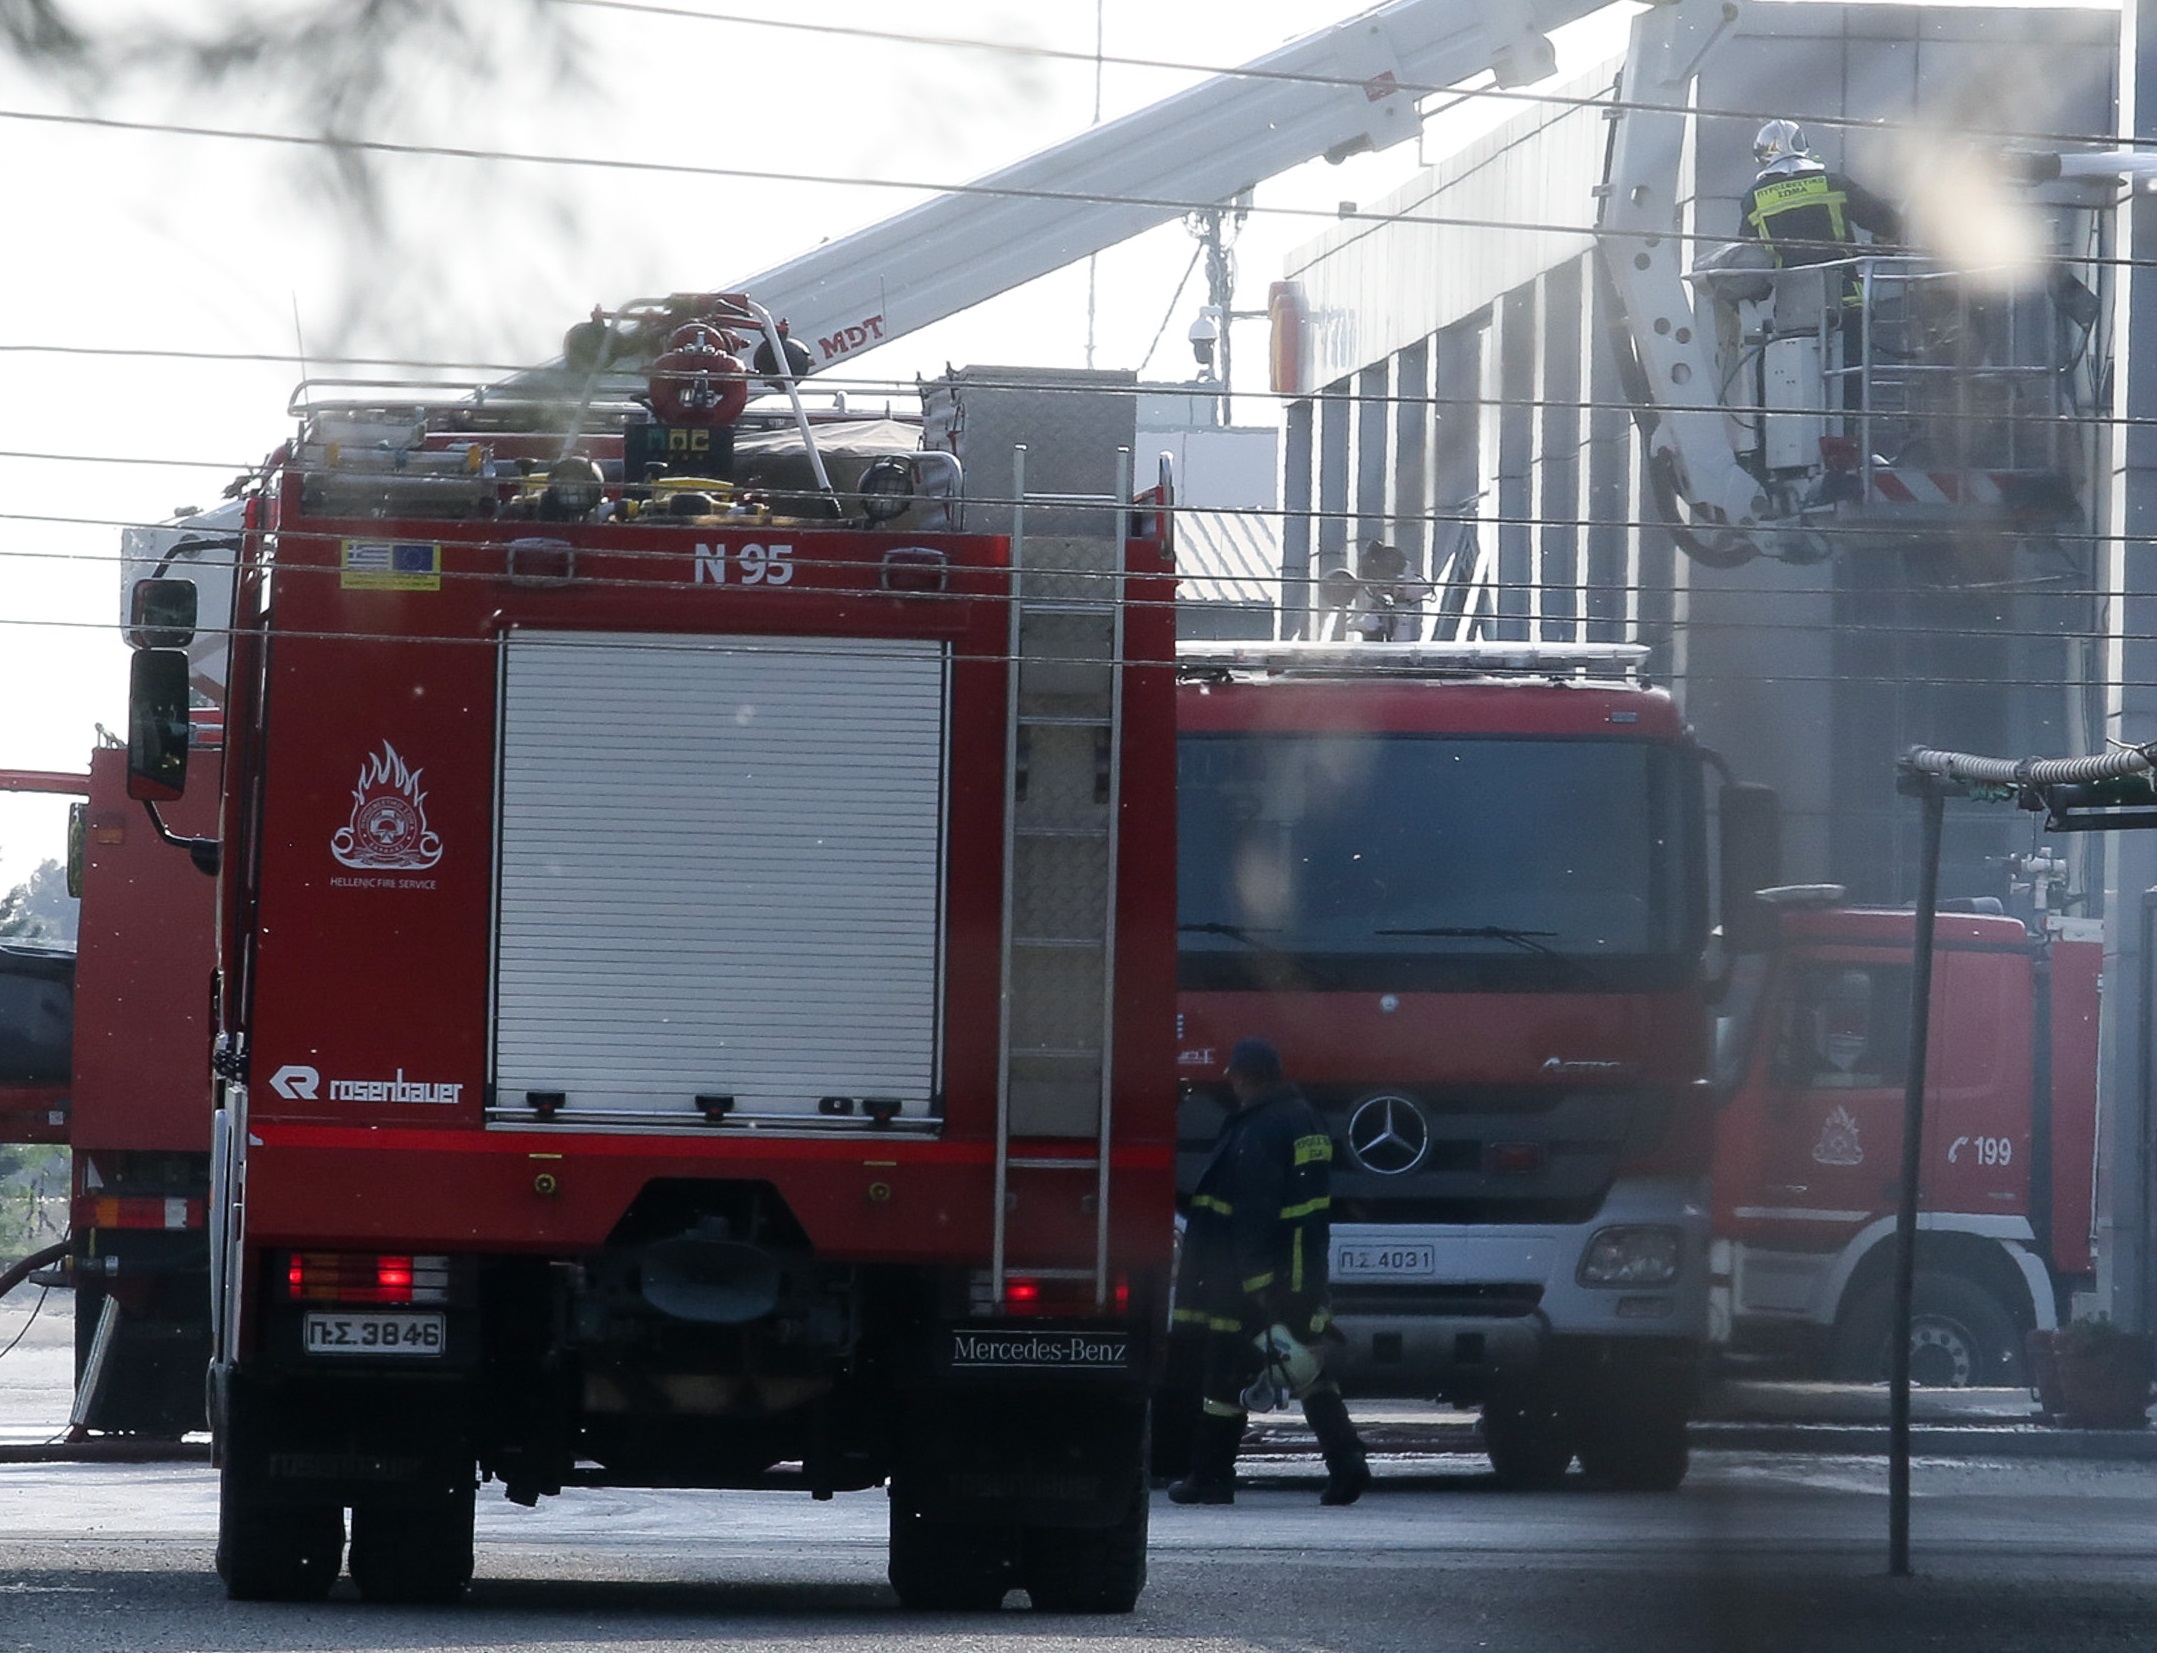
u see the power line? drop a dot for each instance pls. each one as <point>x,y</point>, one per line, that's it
<point>1168,206</point>
<point>1299,77</point>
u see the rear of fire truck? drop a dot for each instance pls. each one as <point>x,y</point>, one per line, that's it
<point>694,936</point>
<point>1464,887</point>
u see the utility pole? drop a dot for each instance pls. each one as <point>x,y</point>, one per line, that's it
<point>2130,675</point>
<point>1216,229</point>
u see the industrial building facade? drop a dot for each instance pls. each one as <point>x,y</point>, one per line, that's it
<point>1455,392</point>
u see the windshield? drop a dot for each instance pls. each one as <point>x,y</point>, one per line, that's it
<point>1436,861</point>
<point>37,1018</point>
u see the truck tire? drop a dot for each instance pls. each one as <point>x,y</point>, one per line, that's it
<point>273,1551</point>
<point>1528,1447</point>
<point>1644,1451</point>
<point>947,1566</point>
<point>1088,1569</point>
<point>1961,1336</point>
<point>409,1552</point>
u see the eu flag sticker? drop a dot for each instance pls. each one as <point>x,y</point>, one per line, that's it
<point>391,565</point>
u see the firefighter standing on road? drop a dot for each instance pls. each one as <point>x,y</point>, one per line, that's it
<point>1253,1281</point>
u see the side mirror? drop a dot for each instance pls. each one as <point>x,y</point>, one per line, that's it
<point>78,846</point>
<point>1752,856</point>
<point>161,614</point>
<point>157,725</point>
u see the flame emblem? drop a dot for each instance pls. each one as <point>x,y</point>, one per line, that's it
<point>1839,1144</point>
<point>389,818</point>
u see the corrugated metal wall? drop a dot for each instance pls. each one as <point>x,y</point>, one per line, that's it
<point>1461,402</point>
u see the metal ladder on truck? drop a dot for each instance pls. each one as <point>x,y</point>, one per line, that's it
<point>1063,768</point>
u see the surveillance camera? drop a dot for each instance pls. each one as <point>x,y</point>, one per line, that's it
<point>1205,333</point>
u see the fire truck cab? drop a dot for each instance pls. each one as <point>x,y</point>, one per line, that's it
<point>1465,888</point>
<point>1816,1045</point>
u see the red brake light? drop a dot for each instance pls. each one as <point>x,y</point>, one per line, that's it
<point>1025,1294</point>
<point>342,1277</point>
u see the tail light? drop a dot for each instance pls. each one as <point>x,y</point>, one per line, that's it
<point>363,1277</point>
<point>1046,1294</point>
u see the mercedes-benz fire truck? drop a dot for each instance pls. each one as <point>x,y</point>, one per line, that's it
<point>692,981</point>
<point>1465,888</point>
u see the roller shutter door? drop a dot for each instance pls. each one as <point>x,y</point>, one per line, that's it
<point>721,873</point>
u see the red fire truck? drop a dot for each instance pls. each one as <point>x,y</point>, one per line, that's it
<point>1808,1143</point>
<point>689,984</point>
<point>1464,886</point>
<point>115,1065</point>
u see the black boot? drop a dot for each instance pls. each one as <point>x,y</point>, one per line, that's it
<point>1348,1472</point>
<point>1213,1461</point>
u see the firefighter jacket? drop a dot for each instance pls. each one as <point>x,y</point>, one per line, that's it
<point>1810,215</point>
<point>1256,1232</point>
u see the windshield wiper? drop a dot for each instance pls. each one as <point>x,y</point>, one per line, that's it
<point>1255,940</point>
<point>1529,941</point>
<point>1234,932</point>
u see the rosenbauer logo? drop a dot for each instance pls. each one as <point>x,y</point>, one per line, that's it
<point>389,819</point>
<point>1041,1351</point>
<point>297,1083</point>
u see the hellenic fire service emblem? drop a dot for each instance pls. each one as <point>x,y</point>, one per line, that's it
<point>1838,1144</point>
<point>389,818</point>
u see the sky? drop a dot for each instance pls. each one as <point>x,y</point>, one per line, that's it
<point>248,254</point>
<point>132,242</point>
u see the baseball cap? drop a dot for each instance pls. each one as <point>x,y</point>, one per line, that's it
<point>1255,1059</point>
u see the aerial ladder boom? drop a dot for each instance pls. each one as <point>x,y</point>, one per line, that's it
<point>1330,94</point>
<point>1710,500</point>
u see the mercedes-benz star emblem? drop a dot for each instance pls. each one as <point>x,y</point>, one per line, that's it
<point>1387,1135</point>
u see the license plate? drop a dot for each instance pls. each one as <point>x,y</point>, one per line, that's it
<point>375,1334</point>
<point>1385,1262</point>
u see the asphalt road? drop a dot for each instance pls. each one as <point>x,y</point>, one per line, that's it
<point>1757,1553</point>
<point>1752,1554</point>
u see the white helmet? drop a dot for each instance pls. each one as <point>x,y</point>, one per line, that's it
<point>1291,1367</point>
<point>1778,141</point>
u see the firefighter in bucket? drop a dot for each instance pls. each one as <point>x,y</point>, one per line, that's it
<point>1252,1284</point>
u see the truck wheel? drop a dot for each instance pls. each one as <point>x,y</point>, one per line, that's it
<point>1088,1569</point>
<point>1527,1446</point>
<point>1960,1336</point>
<point>947,1566</point>
<point>1637,1452</point>
<point>271,1551</point>
<point>414,1552</point>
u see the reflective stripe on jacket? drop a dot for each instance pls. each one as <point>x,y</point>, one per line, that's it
<point>1258,1226</point>
<point>1805,217</point>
